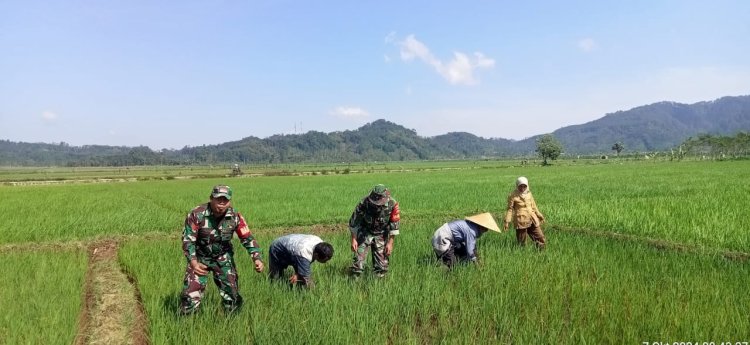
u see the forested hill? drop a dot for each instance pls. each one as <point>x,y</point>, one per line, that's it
<point>652,127</point>
<point>380,140</point>
<point>657,126</point>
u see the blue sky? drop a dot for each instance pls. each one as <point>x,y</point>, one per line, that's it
<point>169,74</point>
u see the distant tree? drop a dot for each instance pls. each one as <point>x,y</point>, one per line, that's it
<point>548,148</point>
<point>618,147</point>
<point>719,146</point>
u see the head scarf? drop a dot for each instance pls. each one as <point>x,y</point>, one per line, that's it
<point>522,180</point>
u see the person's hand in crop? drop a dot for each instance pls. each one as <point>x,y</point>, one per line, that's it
<point>354,244</point>
<point>505,226</point>
<point>389,247</point>
<point>258,265</point>
<point>293,279</point>
<point>199,268</point>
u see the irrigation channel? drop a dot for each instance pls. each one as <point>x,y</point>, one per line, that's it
<point>113,313</point>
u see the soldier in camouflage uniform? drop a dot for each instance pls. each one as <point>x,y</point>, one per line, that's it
<point>207,244</point>
<point>374,224</point>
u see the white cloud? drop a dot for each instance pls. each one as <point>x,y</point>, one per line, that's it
<point>345,112</point>
<point>386,58</point>
<point>587,45</point>
<point>411,48</point>
<point>49,116</point>
<point>483,61</point>
<point>460,70</point>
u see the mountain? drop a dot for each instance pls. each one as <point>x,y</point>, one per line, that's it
<point>657,126</point>
<point>653,127</point>
<point>380,140</point>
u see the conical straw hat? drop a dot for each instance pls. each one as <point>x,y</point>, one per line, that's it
<point>484,220</point>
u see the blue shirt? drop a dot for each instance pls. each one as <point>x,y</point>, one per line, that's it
<point>465,234</point>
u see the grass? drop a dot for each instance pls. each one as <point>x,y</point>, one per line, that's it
<point>582,289</point>
<point>40,296</point>
<point>683,202</point>
<point>585,288</point>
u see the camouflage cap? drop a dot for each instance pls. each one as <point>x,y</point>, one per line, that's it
<point>222,190</point>
<point>379,195</point>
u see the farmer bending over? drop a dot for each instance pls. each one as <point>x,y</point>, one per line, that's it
<point>298,251</point>
<point>456,241</point>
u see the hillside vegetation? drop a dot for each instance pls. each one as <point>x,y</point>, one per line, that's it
<point>655,127</point>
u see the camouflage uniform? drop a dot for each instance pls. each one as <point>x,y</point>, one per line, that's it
<point>374,220</point>
<point>208,240</point>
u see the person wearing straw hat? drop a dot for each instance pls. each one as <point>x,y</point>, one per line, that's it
<point>524,213</point>
<point>456,241</point>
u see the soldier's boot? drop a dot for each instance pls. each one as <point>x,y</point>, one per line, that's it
<point>232,307</point>
<point>355,272</point>
<point>189,306</point>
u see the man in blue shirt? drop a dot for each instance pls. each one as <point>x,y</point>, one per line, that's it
<point>457,241</point>
<point>298,251</point>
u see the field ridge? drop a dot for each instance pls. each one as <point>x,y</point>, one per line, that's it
<point>112,312</point>
<point>657,243</point>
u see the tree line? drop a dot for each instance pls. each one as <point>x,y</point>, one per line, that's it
<point>377,141</point>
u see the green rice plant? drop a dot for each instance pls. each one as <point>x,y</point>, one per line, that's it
<point>582,289</point>
<point>689,202</point>
<point>698,203</point>
<point>77,212</point>
<point>40,296</point>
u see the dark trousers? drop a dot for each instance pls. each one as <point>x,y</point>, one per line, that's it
<point>453,255</point>
<point>536,234</point>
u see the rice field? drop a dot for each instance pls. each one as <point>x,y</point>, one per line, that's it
<point>40,296</point>
<point>638,252</point>
<point>593,291</point>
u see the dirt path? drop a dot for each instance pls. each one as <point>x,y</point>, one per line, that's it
<point>112,310</point>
